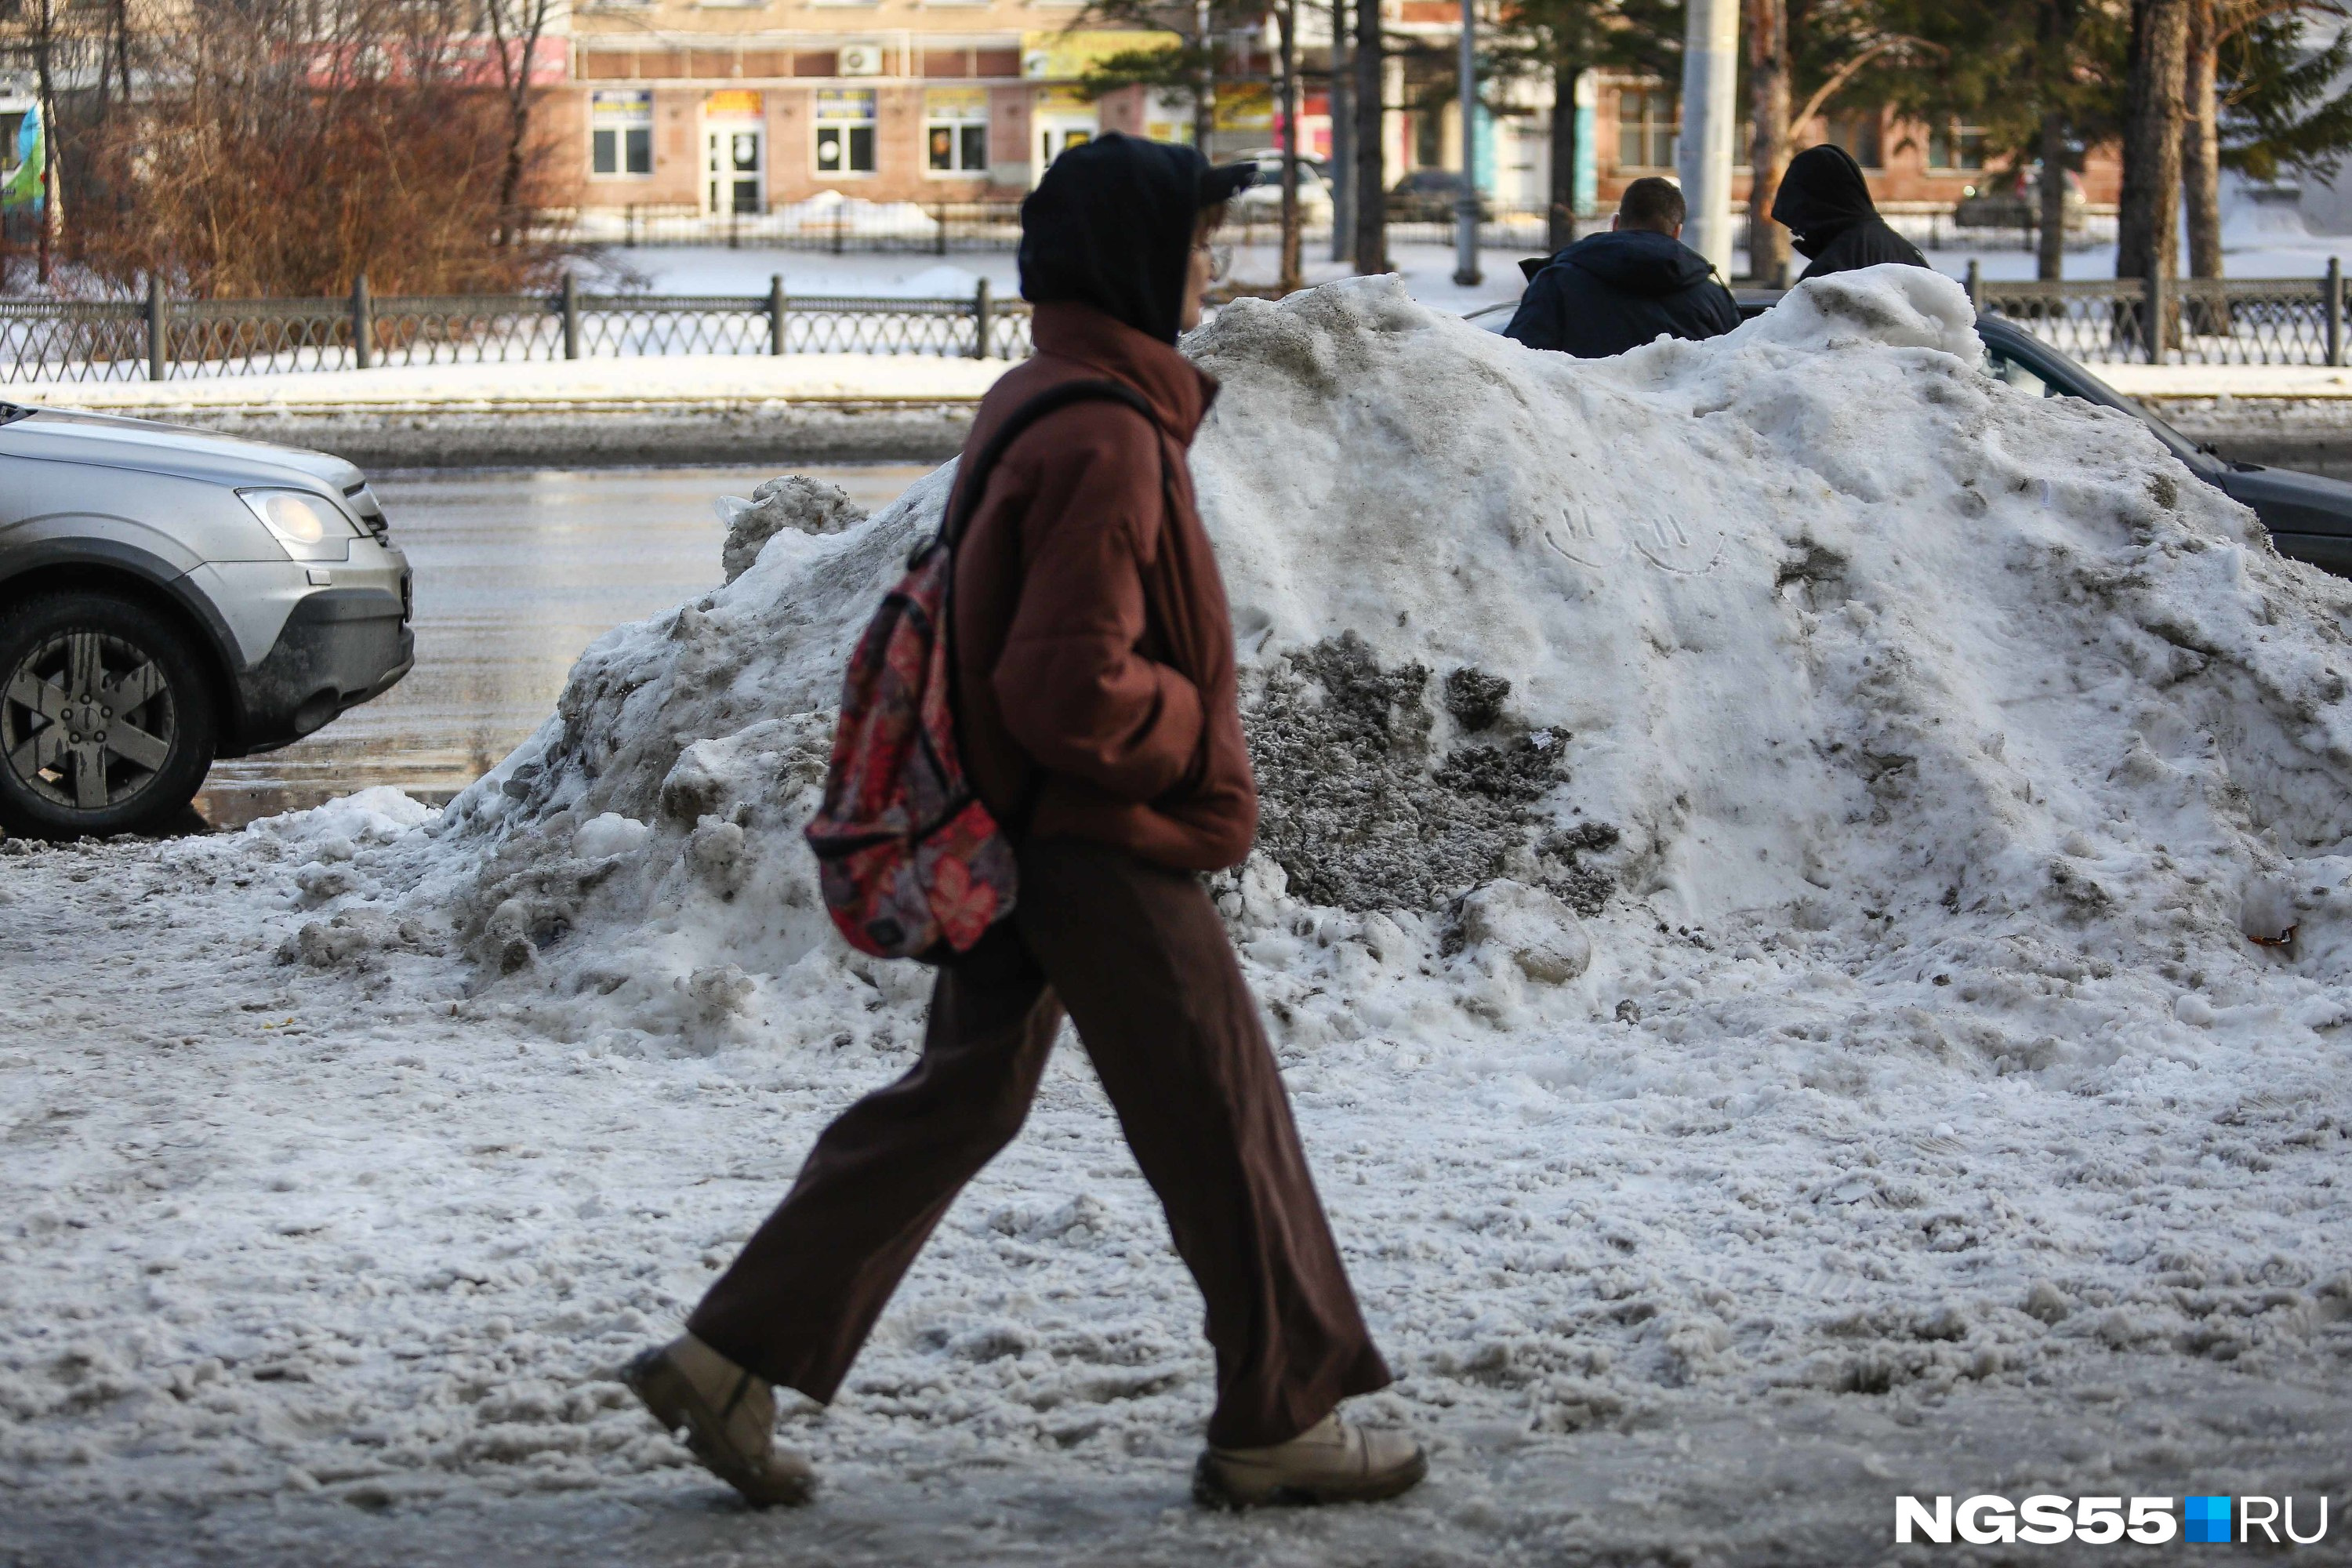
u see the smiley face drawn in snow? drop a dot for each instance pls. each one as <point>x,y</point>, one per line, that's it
<point>1643,531</point>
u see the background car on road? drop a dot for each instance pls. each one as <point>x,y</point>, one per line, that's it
<point>169,597</point>
<point>1427,195</point>
<point>1262,202</point>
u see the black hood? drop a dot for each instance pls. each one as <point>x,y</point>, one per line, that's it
<point>1638,260</point>
<point>1822,196</point>
<point>1110,225</point>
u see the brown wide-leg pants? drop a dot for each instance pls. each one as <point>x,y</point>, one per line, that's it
<point>1137,954</point>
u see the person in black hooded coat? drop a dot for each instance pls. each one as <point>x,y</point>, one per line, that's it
<point>1825,202</point>
<point>1614,292</point>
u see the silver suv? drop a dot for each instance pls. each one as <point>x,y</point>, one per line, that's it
<point>169,597</point>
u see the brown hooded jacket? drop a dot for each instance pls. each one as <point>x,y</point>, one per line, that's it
<point>1097,695</point>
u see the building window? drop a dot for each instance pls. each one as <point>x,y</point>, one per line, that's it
<point>1955,146</point>
<point>1646,137</point>
<point>621,130</point>
<point>1428,141</point>
<point>955,130</point>
<point>1858,134</point>
<point>844,131</point>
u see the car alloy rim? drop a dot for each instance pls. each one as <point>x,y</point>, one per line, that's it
<point>87,721</point>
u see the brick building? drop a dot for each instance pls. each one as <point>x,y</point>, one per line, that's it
<point>744,106</point>
<point>1910,166</point>
<point>726,106</point>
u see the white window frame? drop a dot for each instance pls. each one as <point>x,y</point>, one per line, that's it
<point>1649,128</point>
<point>620,127</point>
<point>1950,133</point>
<point>957,124</point>
<point>820,123</point>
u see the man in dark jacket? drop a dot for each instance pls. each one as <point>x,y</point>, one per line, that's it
<point>1610,292</point>
<point>1096,705</point>
<point>1825,202</point>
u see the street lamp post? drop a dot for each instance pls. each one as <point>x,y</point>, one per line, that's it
<point>1466,205</point>
<point>1710,67</point>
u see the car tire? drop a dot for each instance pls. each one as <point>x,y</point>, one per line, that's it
<point>108,720</point>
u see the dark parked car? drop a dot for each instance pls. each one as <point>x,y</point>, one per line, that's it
<point>2015,201</point>
<point>1427,195</point>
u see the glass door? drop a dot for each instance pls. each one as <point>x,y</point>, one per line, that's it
<point>733,158</point>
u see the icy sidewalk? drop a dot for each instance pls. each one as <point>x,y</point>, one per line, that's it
<point>296,1269</point>
<point>586,386</point>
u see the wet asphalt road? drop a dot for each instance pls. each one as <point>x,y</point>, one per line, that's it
<point>516,573</point>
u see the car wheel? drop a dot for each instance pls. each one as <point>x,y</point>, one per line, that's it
<point>105,717</point>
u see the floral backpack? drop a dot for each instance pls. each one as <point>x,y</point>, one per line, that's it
<point>911,863</point>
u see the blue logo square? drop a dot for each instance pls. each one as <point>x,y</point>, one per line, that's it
<point>2205,1518</point>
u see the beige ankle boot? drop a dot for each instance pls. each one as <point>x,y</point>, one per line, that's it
<point>1331,1461</point>
<point>728,1416</point>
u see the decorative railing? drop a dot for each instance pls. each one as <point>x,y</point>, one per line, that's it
<point>2262,321</point>
<point>2234,320</point>
<point>160,339</point>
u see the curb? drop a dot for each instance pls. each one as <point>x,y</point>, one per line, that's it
<point>596,434</point>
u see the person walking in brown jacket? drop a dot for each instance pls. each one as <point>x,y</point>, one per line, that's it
<point>1097,716</point>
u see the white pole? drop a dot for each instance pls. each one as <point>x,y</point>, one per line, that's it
<point>1466,205</point>
<point>1710,68</point>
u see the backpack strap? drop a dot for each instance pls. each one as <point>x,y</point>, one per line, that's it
<point>971,484</point>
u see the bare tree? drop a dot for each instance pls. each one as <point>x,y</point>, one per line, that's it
<point>45,91</point>
<point>1371,148</point>
<point>515,27</point>
<point>1768,144</point>
<point>1343,137</point>
<point>1285,21</point>
<point>2147,222</point>
<point>2200,140</point>
<point>284,148</point>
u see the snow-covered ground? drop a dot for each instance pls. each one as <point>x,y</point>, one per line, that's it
<point>1930,766</point>
<point>594,384</point>
<point>1427,269</point>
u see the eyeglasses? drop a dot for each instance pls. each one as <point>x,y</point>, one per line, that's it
<point>1221,261</point>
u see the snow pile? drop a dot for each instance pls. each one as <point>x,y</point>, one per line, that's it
<point>1811,629</point>
<point>829,212</point>
<point>2263,214</point>
<point>795,501</point>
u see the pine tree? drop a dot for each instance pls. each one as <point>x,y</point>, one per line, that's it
<point>1559,40</point>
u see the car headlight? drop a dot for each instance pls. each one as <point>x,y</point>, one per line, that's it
<point>311,526</point>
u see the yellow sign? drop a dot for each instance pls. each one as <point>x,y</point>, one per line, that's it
<point>853,104</point>
<point>1065,100</point>
<point>1065,57</point>
<point>1245,106</point>
<point>955,103</point>
<point>634,105</point>
<point>732,103</point>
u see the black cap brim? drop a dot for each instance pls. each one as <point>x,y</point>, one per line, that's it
<point>1223,184</point>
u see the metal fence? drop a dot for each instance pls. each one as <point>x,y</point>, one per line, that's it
<point>158,339</point>
<point>845,226</point>
<point>1939,228</point>
<point>2277,321</point>
<point>942,228</point>
<point>2236,320</point>
<point>838,225</point>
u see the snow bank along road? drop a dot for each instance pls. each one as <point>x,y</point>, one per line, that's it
<point>1763,849</point>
